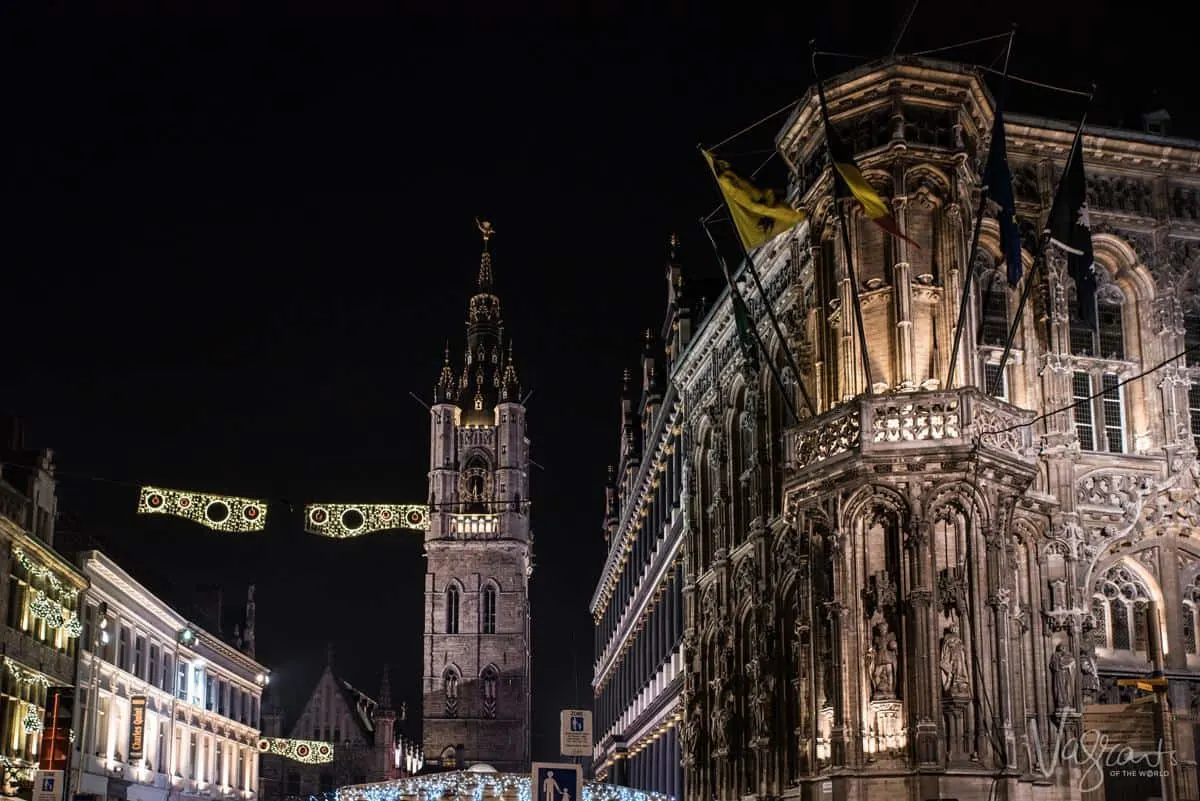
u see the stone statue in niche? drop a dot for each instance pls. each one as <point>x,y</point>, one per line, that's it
<point>1089,681</point>
<point>761,686</point>
<point>1062,671</point>
<point>691,735</point>
<point>882,667</point>
<point>720,725</point>
<point>956,678</point>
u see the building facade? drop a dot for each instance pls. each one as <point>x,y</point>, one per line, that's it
<point>637,679</point>
<point>40,595</point>
<point>362,731</point>
<point>927,591</point>
<point>479,551</point>
<point>177,709</point>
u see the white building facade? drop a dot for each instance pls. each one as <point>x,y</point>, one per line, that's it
<point>198,698</point>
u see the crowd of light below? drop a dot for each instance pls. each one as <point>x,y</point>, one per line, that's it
<point>480,787</point>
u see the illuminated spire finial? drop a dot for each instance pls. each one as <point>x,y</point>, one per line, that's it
<point>486,229</point>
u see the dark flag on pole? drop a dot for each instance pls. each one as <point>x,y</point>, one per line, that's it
<point>1070,230</point>
<point>997,183</point>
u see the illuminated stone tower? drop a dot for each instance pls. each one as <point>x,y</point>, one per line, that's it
<point>479,551</point>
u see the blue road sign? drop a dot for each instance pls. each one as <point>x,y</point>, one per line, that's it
<point>577,723</point>
<point>556,781</point>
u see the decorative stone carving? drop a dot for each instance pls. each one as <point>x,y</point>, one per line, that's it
<point>952,589</point>
<point>1089,680</point>
<point>761,692</point>
<point>956,679</point>
<point>819,443</point>
<point>879,594</point>
<point>1062,671</point>
<point>690,735</point>
<point>1185,203</point>
<point>910,422</point>
<point>746,579</point>
<point>721,719</point>
<point>1111,489</point>
<point>882,667</point>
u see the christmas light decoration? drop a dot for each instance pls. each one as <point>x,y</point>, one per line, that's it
<point>310,752</point>
<point>218,512</point>
<point>22,675</point>
<point>33,720</point>
<point>340,520</point>
<point>480,787</point>
<point>74,626</point>
<point>38,571</point>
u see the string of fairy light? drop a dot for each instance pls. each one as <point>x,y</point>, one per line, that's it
<point>481,787</point>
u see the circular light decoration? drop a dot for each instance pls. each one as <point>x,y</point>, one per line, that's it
<point>217,512</point>
<point>302,751</point>
<point>264,745</point>
<point>341,520</point>
<point>324,751</point>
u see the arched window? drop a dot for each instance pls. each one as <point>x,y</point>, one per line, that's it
<point>1104,336</point>
<point>1191,604</point>
<point>1119,608</point>
<point>452,606</point>
<point>475,485</point>
<point>489,680</point>
<point>449,758</point>
<point>488,610</point>
<point>450,687</point>
<point>993,308</point>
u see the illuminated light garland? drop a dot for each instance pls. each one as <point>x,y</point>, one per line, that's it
<point>22,675</point>
<point>341,520</point>
<point>33,720</point>
<point>74,626</point>
<point>218,512</point>
<point>478,786</point>
<point>310,752</point>
<point>38,571</point>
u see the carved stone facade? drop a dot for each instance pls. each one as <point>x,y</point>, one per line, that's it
<point>922,590</point>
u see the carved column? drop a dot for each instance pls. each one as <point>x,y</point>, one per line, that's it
<point>921,670</point>
<point>904,354</point>
<point>999,599</point>
<point>851,381</point>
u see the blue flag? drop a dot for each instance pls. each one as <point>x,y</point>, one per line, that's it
<point>997,182</point>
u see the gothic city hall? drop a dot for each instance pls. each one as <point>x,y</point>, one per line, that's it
<point>886,561</point>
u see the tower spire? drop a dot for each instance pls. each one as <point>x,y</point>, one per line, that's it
<point>385,690</point>
<point>485,259</point>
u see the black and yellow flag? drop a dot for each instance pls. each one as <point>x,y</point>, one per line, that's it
<point>850,180</point>
<point>757,214</point>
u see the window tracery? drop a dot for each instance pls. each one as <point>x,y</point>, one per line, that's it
<point>453,599</point>
<point>450,687</point>
<point>1119,608</point>
<point>489,680</point>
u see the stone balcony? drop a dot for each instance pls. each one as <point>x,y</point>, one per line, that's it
<point>909,431</point>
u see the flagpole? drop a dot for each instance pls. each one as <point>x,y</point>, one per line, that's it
<point>783,391</point>
<point>1039,261</point>
<point>969,268</point>
<point>841,213</point>
<point>767,303</point>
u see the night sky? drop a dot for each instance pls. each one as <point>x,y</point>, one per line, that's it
<point>233,247</point>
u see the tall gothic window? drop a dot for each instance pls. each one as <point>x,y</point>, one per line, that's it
<point>452,605</point>
<point>489,680</point>
<point>1105,337</point>
<point>1099,411</point>
<point>1190,607</point>
<point>488,611</point>
<point>993,308</point>
<point>450,687</point>
<point>1119,607</point>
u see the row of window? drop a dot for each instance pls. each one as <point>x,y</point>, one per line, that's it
<point>489,680</point>
<point>487,610</point>
<point>35,619</point>
<point>155,664</point>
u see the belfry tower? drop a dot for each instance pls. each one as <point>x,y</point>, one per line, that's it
<point>479,551</point>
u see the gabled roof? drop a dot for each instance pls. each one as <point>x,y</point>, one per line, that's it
<point>347,702</point>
